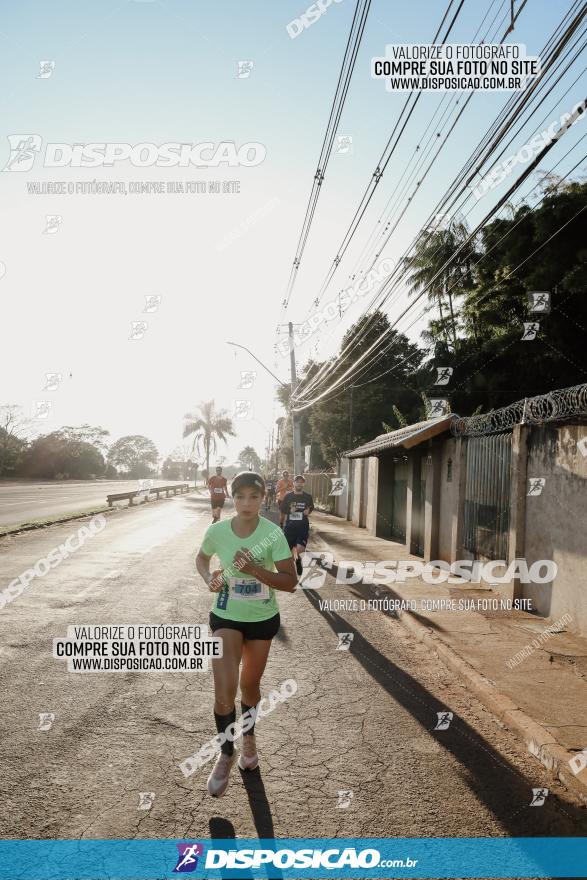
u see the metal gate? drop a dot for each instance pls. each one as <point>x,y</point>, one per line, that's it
<point>487,496</point>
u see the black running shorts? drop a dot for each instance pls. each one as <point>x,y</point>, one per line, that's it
<point>296,534</point>
<point>260,629</point>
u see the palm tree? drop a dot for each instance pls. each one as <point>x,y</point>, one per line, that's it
<point>208,425</point>
<point>428,270</point>
<point>249,459</point>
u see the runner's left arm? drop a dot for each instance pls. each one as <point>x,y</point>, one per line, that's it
<point>285,578</point>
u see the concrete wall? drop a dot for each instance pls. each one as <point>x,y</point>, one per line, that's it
<point>448,497</point>
<point>551,525</point>
<point>341,503</point>
<point>358,467</point>
<point>556,520</point>
<point>372,476</point>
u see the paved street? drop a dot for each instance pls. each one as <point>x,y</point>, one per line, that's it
<point>362,721</point>
<point>25,501</point>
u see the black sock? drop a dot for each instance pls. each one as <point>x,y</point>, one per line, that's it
<point>222,722</point>
<point>244,709</point>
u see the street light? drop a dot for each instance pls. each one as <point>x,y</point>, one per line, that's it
<point>248,350</point>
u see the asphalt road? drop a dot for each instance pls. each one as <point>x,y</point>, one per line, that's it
<point>362,721</point>
<point>23,502</point>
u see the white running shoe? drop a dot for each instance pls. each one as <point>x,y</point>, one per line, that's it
<point>220,776</point>
<point>249,759</point>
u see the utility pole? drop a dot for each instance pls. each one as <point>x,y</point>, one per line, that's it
<point>296,451</point>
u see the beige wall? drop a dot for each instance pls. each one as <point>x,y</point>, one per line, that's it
<point>358,465</point>
<point>372,475</point>
<point>340,507</point>
<point>556,521</point>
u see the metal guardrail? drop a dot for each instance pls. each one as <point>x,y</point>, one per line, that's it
<point>144,493</point>
<point>555,405</point>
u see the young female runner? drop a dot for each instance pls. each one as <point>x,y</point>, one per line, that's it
<point>255,562</point>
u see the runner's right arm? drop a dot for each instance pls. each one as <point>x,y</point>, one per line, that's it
<point>214,581</point>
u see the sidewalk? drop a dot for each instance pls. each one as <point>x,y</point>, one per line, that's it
<point>542,698</point>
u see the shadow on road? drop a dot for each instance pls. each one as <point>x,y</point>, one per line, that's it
<point>222,829</point>
<point>498,784</point>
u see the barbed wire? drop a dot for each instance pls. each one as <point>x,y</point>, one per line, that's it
<point>550,407</point>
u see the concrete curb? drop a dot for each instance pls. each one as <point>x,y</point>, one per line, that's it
<point>30,527</point>
<point>71,517</point>
<point>537,738</point>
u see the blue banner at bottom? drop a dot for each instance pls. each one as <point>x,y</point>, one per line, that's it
<point>367,857</point>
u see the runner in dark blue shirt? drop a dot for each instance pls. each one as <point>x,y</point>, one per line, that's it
<point>297,506</point>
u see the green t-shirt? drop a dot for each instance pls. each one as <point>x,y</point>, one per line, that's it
<point>243,597</point>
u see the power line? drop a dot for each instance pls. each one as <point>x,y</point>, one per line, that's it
<point>344,78</point>
<point>378,341</point>
<point>522,99</point>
